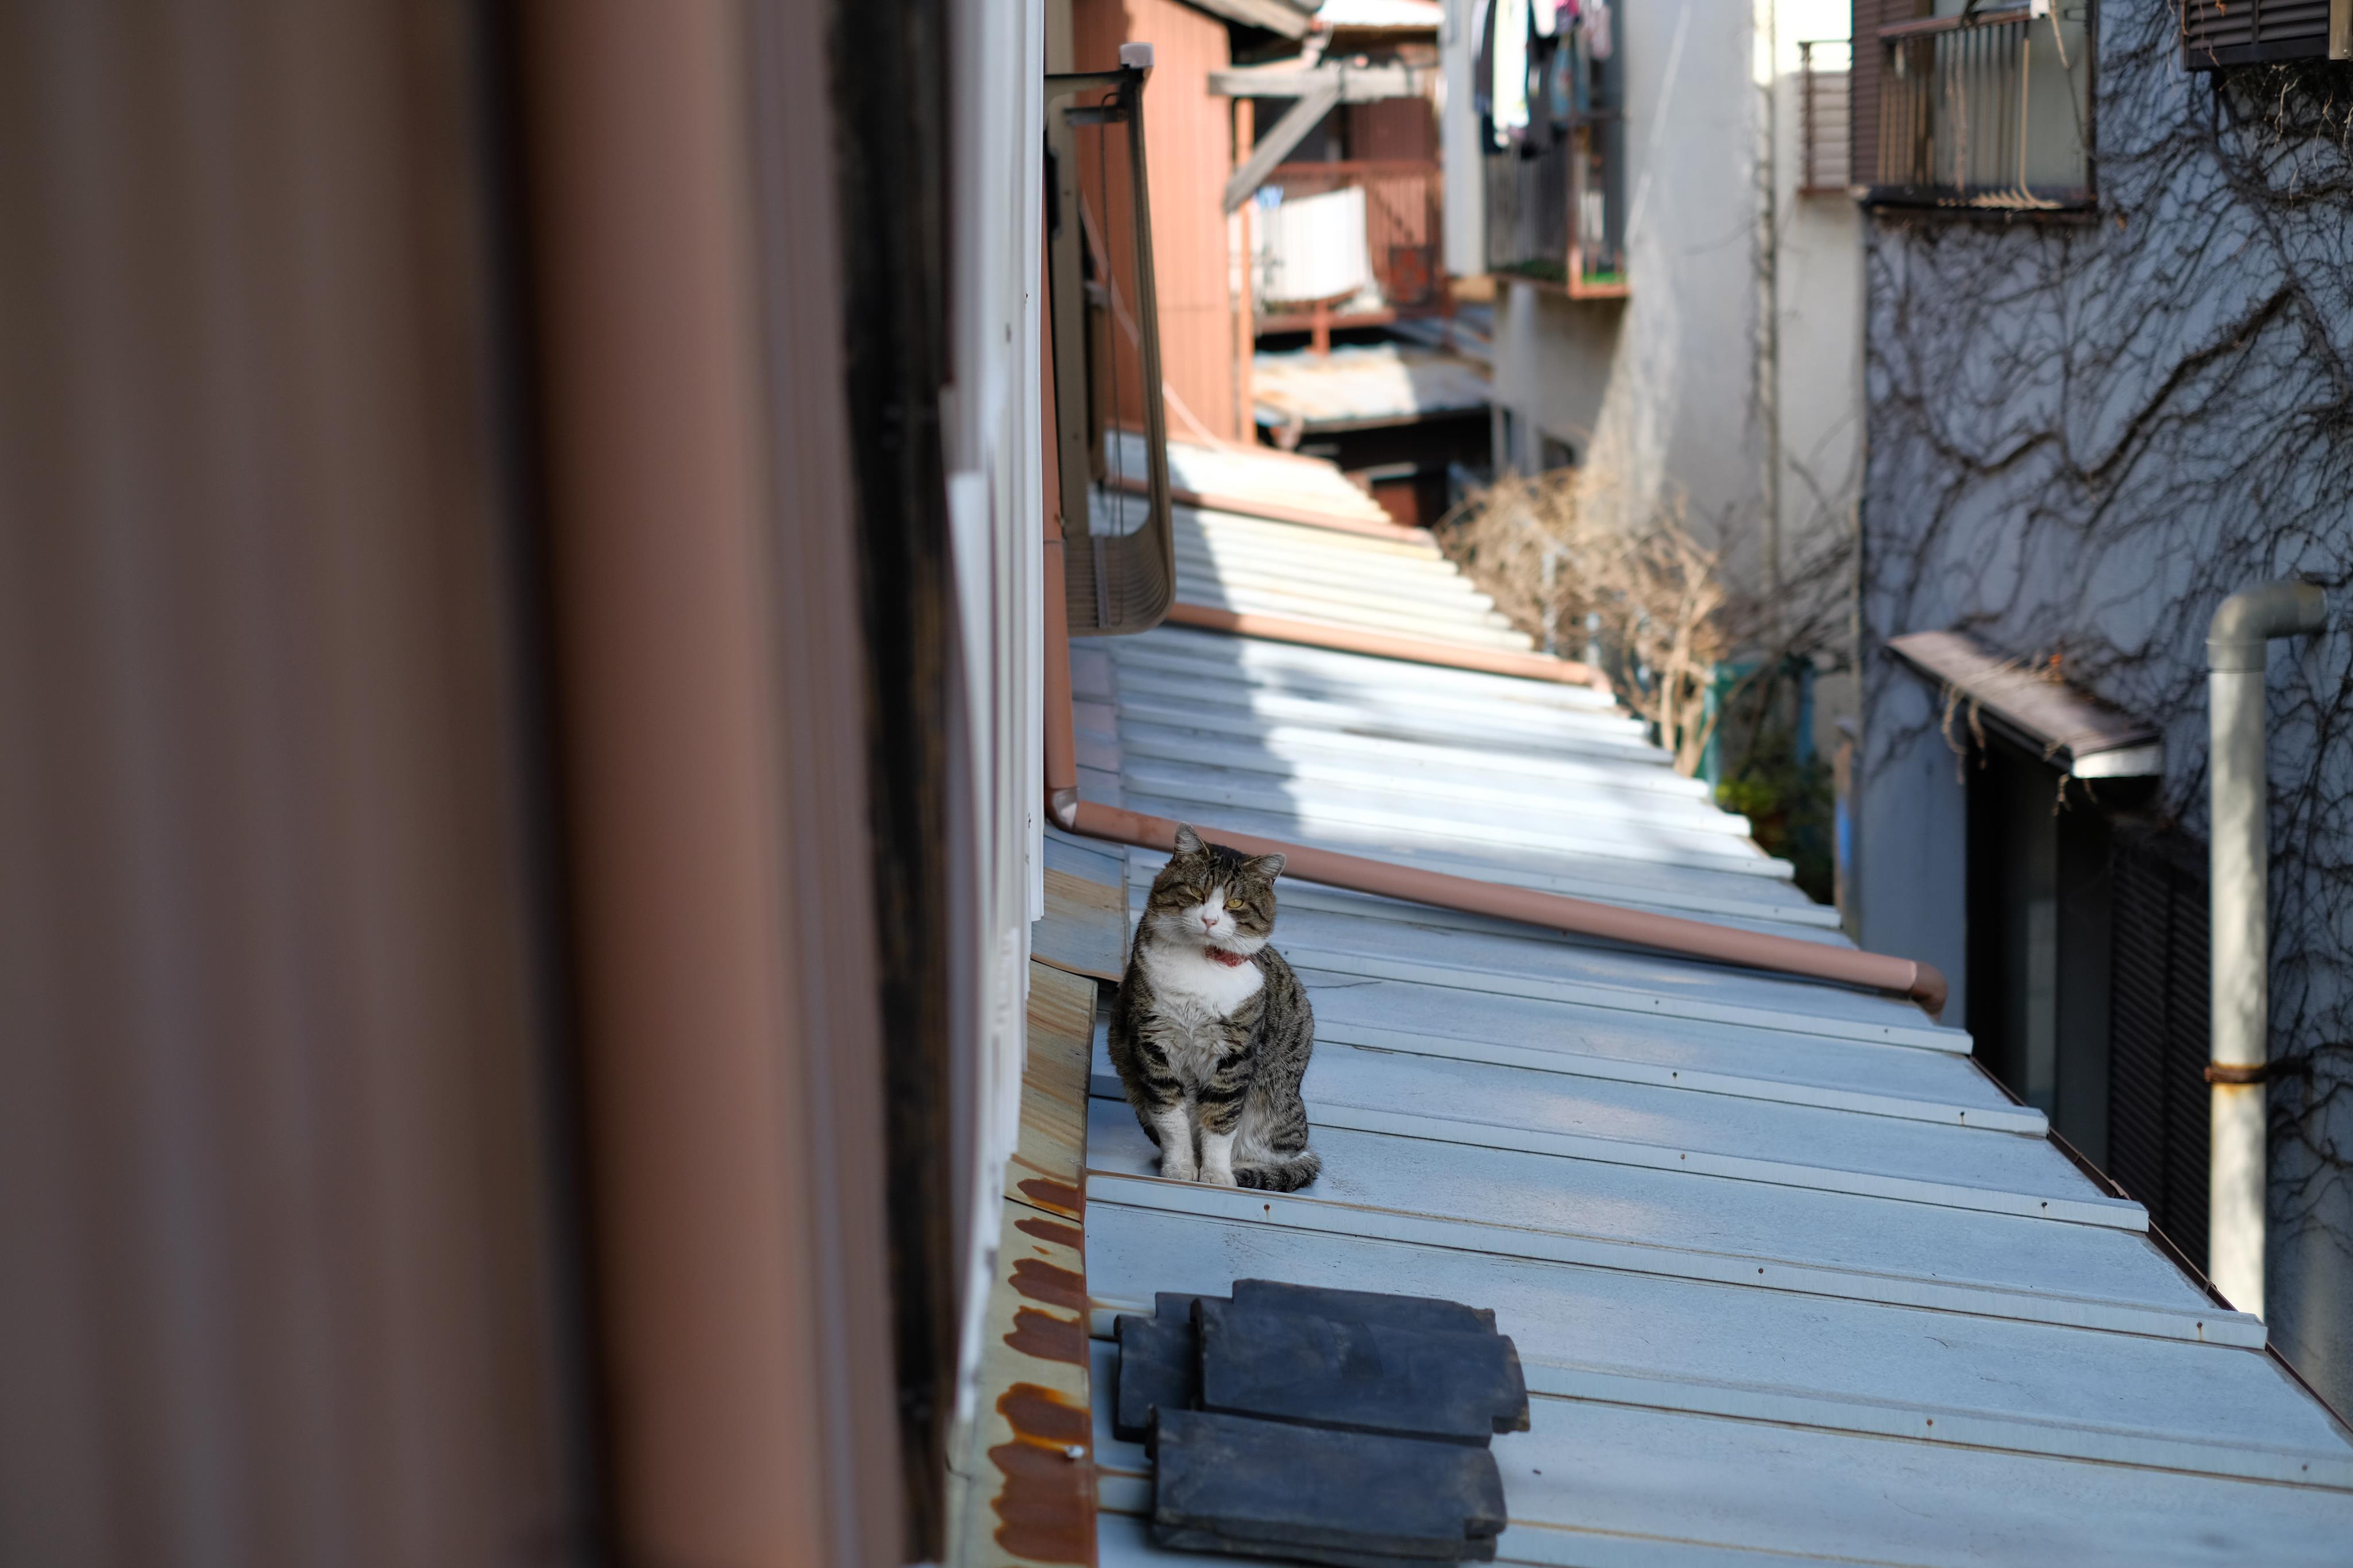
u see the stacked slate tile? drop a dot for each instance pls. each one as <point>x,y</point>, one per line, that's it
<point>1331,1427</point>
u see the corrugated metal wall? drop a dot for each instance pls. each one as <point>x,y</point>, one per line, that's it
<point>1189,150</point>
<point>278,1286</point>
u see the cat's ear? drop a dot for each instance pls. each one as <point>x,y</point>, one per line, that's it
<point>1188,841</point>
<point>1267,866</point>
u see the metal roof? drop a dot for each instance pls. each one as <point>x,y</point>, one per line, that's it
<point>2091,738</point>
<point>1273,479</point>
<point>1367,384</point>
<point>1791,1277</point>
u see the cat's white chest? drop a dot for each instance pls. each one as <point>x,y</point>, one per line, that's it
<point>1187,978</point>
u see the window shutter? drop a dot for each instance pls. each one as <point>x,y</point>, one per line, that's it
<point>2158,1040</point>
<point>1870,61</point>
<point>2216,33</point>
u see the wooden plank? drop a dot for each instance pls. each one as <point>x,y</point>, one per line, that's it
<point>1048,1167</point>
<point>1028,1471</point>
<point>1024,1484</point>
<point>1084,927</point>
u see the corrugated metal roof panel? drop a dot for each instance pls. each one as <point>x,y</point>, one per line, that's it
<point>1278,478</point>
<point>1792,1279</point>
<point>1379,384</point>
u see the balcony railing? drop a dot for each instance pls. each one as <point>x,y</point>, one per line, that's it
<point>1557,218</point>
<point>1987,109</point>
<point>1557,193</point>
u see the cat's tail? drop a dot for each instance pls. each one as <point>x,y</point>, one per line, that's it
<point>1286,1173</point>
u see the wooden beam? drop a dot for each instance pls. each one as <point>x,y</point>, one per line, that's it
<point>1357,84</point>
<point>1281,137</point>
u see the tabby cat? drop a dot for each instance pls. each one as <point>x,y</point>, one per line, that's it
<point>1211,1030</point>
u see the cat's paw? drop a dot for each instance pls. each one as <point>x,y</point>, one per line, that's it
<point>1216,1176</point>
<point>1178,1170</point>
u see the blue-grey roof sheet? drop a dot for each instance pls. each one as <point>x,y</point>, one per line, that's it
<point>1791,1279</point>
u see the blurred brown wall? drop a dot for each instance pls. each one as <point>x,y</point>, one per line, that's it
<point>1188,153</point>
<point>277,1280</point>
<point>326,870</point>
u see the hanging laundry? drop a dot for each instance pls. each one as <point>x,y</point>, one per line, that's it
<point>1596,23</point>
<point>1545,16</point>
<point>1483,69</point>
<point>1510,117</point>
<point>1544,55</point>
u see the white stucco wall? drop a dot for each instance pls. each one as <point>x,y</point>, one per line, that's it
<point>1675,391</point>
<point>1818,285</point>
<point>1657,391</point>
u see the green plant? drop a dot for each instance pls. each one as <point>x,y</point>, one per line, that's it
<point>1788,805</point>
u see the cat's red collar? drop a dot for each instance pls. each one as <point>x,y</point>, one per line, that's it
<point>1230,960</point>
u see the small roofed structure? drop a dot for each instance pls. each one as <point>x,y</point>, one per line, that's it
<point>2087,736</point>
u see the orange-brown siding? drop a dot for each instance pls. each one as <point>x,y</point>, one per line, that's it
<point>1189,149</point>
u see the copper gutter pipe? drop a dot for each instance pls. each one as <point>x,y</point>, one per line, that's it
<point>1384,644</point>
<point>1578,917</point>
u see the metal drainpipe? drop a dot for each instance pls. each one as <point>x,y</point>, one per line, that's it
<point>2236,643</point>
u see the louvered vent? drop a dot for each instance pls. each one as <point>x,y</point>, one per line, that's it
<point>1862,84</point>
<point>2217,33</point>
<point>2158,1040</point>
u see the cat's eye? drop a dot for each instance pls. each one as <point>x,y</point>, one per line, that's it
<point>1233,903</point>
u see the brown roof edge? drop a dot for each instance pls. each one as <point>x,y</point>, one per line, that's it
<point>1384,644</point>
<point>1668,933</point>
<point>1275,511</point>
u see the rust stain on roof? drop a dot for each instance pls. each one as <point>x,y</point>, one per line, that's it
<point>1060,1197</point>
<point>1048,1337</point>
<point>1054,1231</point>
<point>1046,1507</point>
<point>1045,1282</point>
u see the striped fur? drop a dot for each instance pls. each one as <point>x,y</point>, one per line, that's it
<point>1211,1030</point>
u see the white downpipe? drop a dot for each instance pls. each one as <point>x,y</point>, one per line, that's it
<point>2236,643</point>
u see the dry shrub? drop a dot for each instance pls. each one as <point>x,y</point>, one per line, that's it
<point>1556,555</point>
<point>1654,597</point>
